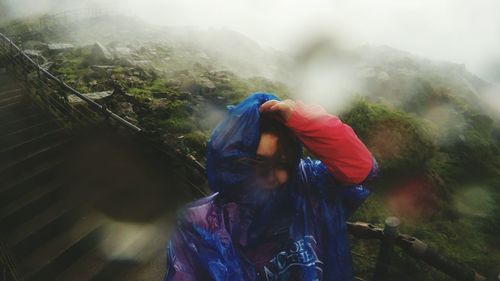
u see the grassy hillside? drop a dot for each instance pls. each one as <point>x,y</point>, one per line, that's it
<point>424,121</point>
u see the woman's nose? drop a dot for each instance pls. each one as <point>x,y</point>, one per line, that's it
<point>271,177</point>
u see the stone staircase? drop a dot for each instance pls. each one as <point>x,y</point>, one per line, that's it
<point>80,205</point>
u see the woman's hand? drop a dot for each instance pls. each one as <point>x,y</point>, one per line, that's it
<point>281,110</point>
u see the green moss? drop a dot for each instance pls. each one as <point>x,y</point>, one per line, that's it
<point>398,140</point>
<point>140,92</point>
<point>197,141</point>
<point>120,70</point>
<point>461,240</point>
<point>177,125</point>
<point>159,85</point>
<point>240,88</point>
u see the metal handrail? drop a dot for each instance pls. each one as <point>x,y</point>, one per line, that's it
<point>102,109</point>
<point>24,61</point>
<point>43,82</point>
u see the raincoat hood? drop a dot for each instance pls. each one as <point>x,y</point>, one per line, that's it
<point>237,136</point>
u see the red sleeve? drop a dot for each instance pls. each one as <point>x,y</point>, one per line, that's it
<point>332,141</point>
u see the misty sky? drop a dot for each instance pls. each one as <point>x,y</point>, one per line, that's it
<point>461,31</point>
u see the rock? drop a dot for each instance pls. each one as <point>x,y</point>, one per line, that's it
<point>105,67</point>
<point>31,52</point>
<point>47,65</point>
<point>174,83</point>
<point>125,62</point>
<point>96,54</point>
<point>199,86</point>
<point>98,95</point>
<point>383,76</point>
<point>60,47</point>
<point>124,51</point>
<point>367,72</point>
<point>73,99</point>
<point>129,95</point>
<point>202,55</point>
<point>100,53</point>
<point>36,56</point>
<point>135,44</point>
<point>125,109</point>
<point>161,107</point>
<point>99,72</point>
<point>131,119</point>
<point>221,76</point>
<point>206,83</point>
<point>160,104</point>
<point>35,45</point>
<point>141,62</point>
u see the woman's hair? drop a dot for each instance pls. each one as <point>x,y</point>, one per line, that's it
<point>287,142</point>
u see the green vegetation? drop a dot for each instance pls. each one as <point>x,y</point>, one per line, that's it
<point>437,151</point>
<point>433,209</point>
<point>399,141</point>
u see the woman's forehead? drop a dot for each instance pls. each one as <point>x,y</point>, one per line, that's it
<point>268,145</point>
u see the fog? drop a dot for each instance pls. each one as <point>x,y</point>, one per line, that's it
<point>460,31</point>
<point>319,35</point>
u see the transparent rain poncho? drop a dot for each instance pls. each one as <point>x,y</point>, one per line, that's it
<point>242,232</point>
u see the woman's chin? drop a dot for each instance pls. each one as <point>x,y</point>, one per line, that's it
<point>266,185</point>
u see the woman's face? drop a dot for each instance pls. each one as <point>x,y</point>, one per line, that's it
<point>273,172</point>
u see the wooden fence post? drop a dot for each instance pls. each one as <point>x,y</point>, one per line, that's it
<point>391,231</point>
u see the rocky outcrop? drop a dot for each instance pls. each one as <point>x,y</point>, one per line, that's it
<point>96,54</point>
<point>96,96</point>
<point>59,47</point>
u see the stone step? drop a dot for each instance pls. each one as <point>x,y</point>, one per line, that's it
<point>6,106</point>
<point>116,270</point>
<point>143,258</point>
<point>22,149</point>
<point>18,134</point>
<point>6,86</point>
<point>58,216</point>
<point>12,114</point>
<point>49,155</point>
<point>45,153</point>
<point>152,269</point>
<point>62,228</point>
<point>31,240</point>
<point>10,90</point>
<point>17,110</point>
<point>28,206</point>
<point>9,124</point>
<point>40,174</point>
<point>61,251</point>
<point>12,99</point>
<point>91,263</point>
<point>66,258</point>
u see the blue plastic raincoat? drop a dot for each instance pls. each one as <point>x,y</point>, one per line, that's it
<point>295,232</point>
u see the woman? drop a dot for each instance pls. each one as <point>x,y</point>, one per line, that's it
<point>273,215</point>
